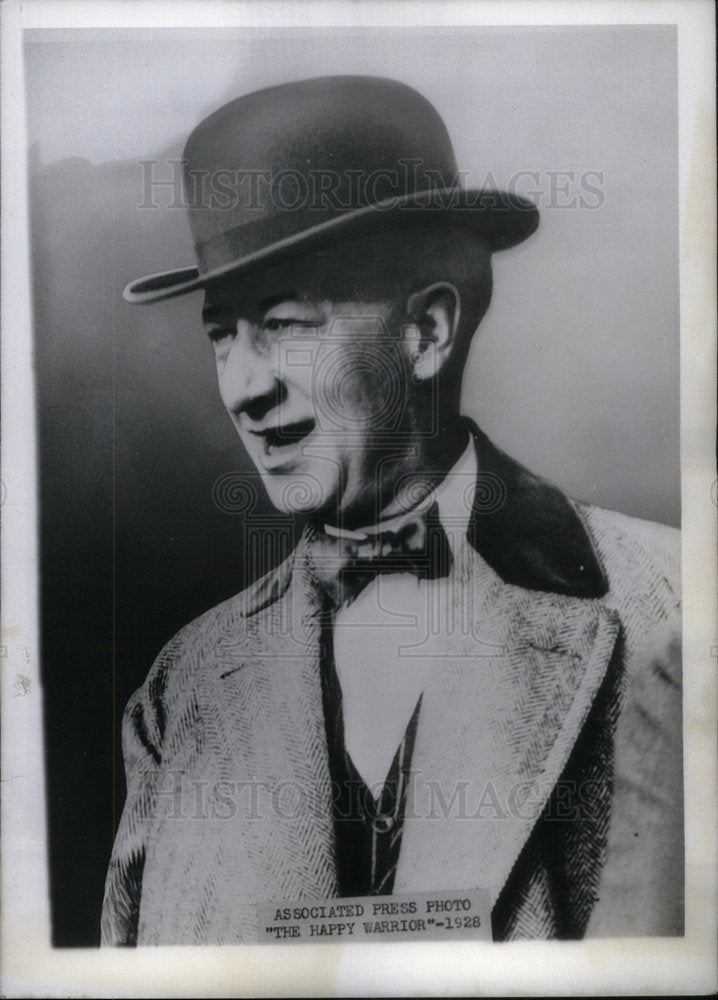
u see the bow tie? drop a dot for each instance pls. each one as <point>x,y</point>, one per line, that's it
<point>345,564</point>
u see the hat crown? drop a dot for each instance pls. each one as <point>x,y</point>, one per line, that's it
<point>298,154</point>
<point>279,171</point>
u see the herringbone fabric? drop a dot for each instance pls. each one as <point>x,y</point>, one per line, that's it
<point>546,764</point>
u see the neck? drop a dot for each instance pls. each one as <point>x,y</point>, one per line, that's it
<point>415,474</point>
<point>426,468</point>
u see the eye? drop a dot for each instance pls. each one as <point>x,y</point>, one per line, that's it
<point>219,333</point>
<point>273,324</point>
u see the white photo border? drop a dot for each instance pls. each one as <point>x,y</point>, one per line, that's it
<point>609,966</point>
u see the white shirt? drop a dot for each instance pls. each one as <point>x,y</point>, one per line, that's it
<point>386,642</point>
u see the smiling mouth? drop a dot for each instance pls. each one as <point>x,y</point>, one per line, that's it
<point>285,436</point>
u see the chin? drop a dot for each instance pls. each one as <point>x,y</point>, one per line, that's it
<point>298,493</point>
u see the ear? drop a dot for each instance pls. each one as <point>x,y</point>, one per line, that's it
<point>430,334</point>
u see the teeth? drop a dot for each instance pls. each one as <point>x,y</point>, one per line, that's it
<point>287,436</point>
<point>272,449</point>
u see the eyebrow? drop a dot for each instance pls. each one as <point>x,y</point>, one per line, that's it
<point>214,312</point>
<point>217,311</point>
<point>275,300</point>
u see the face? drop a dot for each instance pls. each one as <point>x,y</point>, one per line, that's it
<point>317,391</point>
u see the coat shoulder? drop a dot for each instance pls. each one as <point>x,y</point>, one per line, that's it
<point>631,546</point>
<point>641,561</point>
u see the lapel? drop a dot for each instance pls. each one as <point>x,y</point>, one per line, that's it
<point>497,725</point>
<point>498,720</point>
<point>507,703</point>
<point>272,722</point>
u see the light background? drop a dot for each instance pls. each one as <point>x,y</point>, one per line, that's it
<point>575,370</point>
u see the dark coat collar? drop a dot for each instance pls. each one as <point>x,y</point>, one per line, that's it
<point>527,530</point>
<point>523,527</point>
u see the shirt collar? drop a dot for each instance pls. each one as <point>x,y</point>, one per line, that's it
<point>455,494</point>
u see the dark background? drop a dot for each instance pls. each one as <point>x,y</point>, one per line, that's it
<point>135,539</point>
<point>575,372</point>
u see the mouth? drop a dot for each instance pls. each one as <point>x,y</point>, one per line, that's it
<point>285,437</point>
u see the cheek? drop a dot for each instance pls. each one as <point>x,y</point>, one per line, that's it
<point>361,388</point>
<point>222,385</point>
<point>298,375</point>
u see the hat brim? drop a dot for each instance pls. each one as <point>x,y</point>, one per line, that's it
<point>502,220</point>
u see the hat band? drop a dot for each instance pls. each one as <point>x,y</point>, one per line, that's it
<point>255,235</point>
<point>249,237</point>
<point>501,218</point>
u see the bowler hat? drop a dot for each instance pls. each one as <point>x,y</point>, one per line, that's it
<point>283,169</point>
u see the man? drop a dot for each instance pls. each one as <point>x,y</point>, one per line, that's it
<point>460,679</point>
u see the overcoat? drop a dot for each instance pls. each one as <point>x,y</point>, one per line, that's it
<point>547,763</point>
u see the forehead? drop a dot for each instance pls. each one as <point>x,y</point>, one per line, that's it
<point>256,294</point>
<point>354,271</point>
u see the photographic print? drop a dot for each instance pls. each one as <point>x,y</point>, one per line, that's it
<point>358,448</point>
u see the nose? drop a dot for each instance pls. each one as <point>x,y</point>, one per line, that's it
<point>248,380</point>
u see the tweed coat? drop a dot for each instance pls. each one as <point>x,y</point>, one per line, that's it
<point>547,764</point>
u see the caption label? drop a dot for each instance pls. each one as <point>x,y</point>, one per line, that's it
<point>431,916</point>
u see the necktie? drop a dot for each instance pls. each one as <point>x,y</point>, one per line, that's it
<point>416,543</point>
